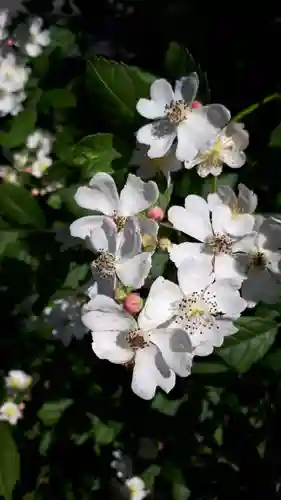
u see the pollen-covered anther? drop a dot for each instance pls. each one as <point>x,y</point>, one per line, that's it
<point>120,221</point>
<point>258,260</point>
<point>136,339</point>
<point>177,111</point>
<point>105,264</point>
<point>220,243</point>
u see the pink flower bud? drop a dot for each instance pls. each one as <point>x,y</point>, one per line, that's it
<point>196,105</point>
<point>22,406</point>
<point>35,192</point>
<point>10,42</point>
<point>28,169</point>
<point>155,213</point>
<point>133,303</point>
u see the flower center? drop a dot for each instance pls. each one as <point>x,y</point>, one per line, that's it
<point>220,243</point>
<point>196,312</point>
<point>236,211</point>
<point>105,265</point>
<point>10,412</point>
<point>212,157</point>
<point>258,260</point>
<point>177,111</point>
<point>137,339</point>
<point>120,221</point>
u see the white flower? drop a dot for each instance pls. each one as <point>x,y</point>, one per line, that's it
<point>260,253</point>
<point>136,487</point>
<point>20,160</point>
<point>216,246</point>
<point>19,380</point>
<point>8,174</point>
<point>149,167</point>
<point>227,147</point>
<point>65,317</point>
<point>3,23</point>
<point>41,164</point>
<point>119,256</point>
<point>38,38</point>
<point>102,196</point>
<point>13,76</point>
<point>119,338</point>
<point>175,117</point>
<point>41,141</point>
<point>200,307</point>
<point>235,212</point>
<point>10,412</point>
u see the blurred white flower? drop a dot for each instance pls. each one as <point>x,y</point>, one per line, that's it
<point>216,246</point>
<point>119,256</point>
<point>38,38</point>
<point>8,174</point>
<point>41,164</point>
<point>227,147</point>
<point>20,160</point>
<point>175,117</point>
<point>120,339</point>
<point>10,412</point>
<point>200,307</point>
<point>261,257</point>
<point>136,487</point>
<point>236,213</point>
<point>19,380</point>
<point>13,76</point>
<point>3,24</point>
<point>41,141</point>
<point>149,167</point>
<point>64,315</point>
<point>102,196</point>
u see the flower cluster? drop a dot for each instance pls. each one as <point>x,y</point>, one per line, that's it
<point>63,315</point>
<point>230,261</point>
<point>134,484</point>
<point>14,71</point>
<point>17,384</point>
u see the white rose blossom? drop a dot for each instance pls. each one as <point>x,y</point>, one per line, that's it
<point>10,412</point>
<point>261,257</point>
<point>102,196</point>
<point>119,256</point>
<point>64,315</point>
<point>176,118</point>
<point>18,380</point>
<point>216,245</point>
<point>38,38</point>
<point>227,147</point>
<point>155,352</point>
<point>137,488</point>
<point>149,167</point>
<point>236,213</point>
<point>200,307</point>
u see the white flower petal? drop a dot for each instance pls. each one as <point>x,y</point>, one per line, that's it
<point>186,149</point>
<point>214,200</point>
<point>160,303</point>
<point>133,272</point>
<point>35,26</point>
<point>247,199</point>
<point>227,267</point>
<point>217,115</point>
<point>105,346</point>
<point>178,253</point>
<point>241,224</point>
<point>190,223</point>
<point>228,299</point>
<point>100,196</point>
<point>159,142</point>
<point>247,244</point>
<point>195,274</point>
<point>203,349</point>
<point>197,205</point>
<point>104,238</point>
<point>261,286</point>
<point>129,241</point>
<point>81,228</point>
<point>137,195</point>
<point>161,91</point>
<point>146,376</point>
<point>104,314</point>
<point>147,226</point>
<point>180,360</point>
<point>150,109</point>
<point>233,158</point>
<point>43,38</point>
<point>33,50</point>
<point>226,327</point>
<point>186,88</point>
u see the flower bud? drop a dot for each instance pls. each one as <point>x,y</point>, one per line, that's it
<point>164,244</point>
<point>196,105</point>
<point>35,192</point>
<point>120,294</point>
<point>148,242</point>
<point>133,303</point>
<point>155,213</point>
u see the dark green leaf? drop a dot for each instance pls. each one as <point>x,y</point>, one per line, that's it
<point>75,276</point>
<point>7,238</point>
<point>22,125</point>
<point>9,462</point>
<point>62,38</point>
<point>67,196</point>
<point>250,344</point>
<point>95,153</point>
<point>150,474</point>
<point>118,87</point>
<point>58,98</point>
<point>167,406</point>
<point>275,137</point>
<point>273,361</point>
<point>180,492</point>
<point>103,434</point>
<point>178,61</point>
<point>209,367</point>
<point>159,261</point>
<point>20,207</point>
<point>51,412</point>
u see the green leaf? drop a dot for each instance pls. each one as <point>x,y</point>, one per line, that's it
<point>51,412</point>
<point>223,180</point>
<point>67,196</point>
<point>76,275</point>
<point>58,98</point>
<point>178,61</point>
<point>273,361</point>
<point>180,492</point>
<point>209,367</point>
<point>159,261</point>
<point>118,87</point>
<point>7,238</point>
<point>164,198</point>
<point>9,462</point>
<point>249,345</point>
<point>95,153</point>
<point>22,125</point>
<point>275,137</point>
<point>62,38</point>
<point>167,406</point>
<point>150,474</point>
<point>20,207</point>
<point>103,434</point>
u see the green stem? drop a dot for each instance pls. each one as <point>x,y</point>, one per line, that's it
<point>255,106</point>
<point>214,184</point>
